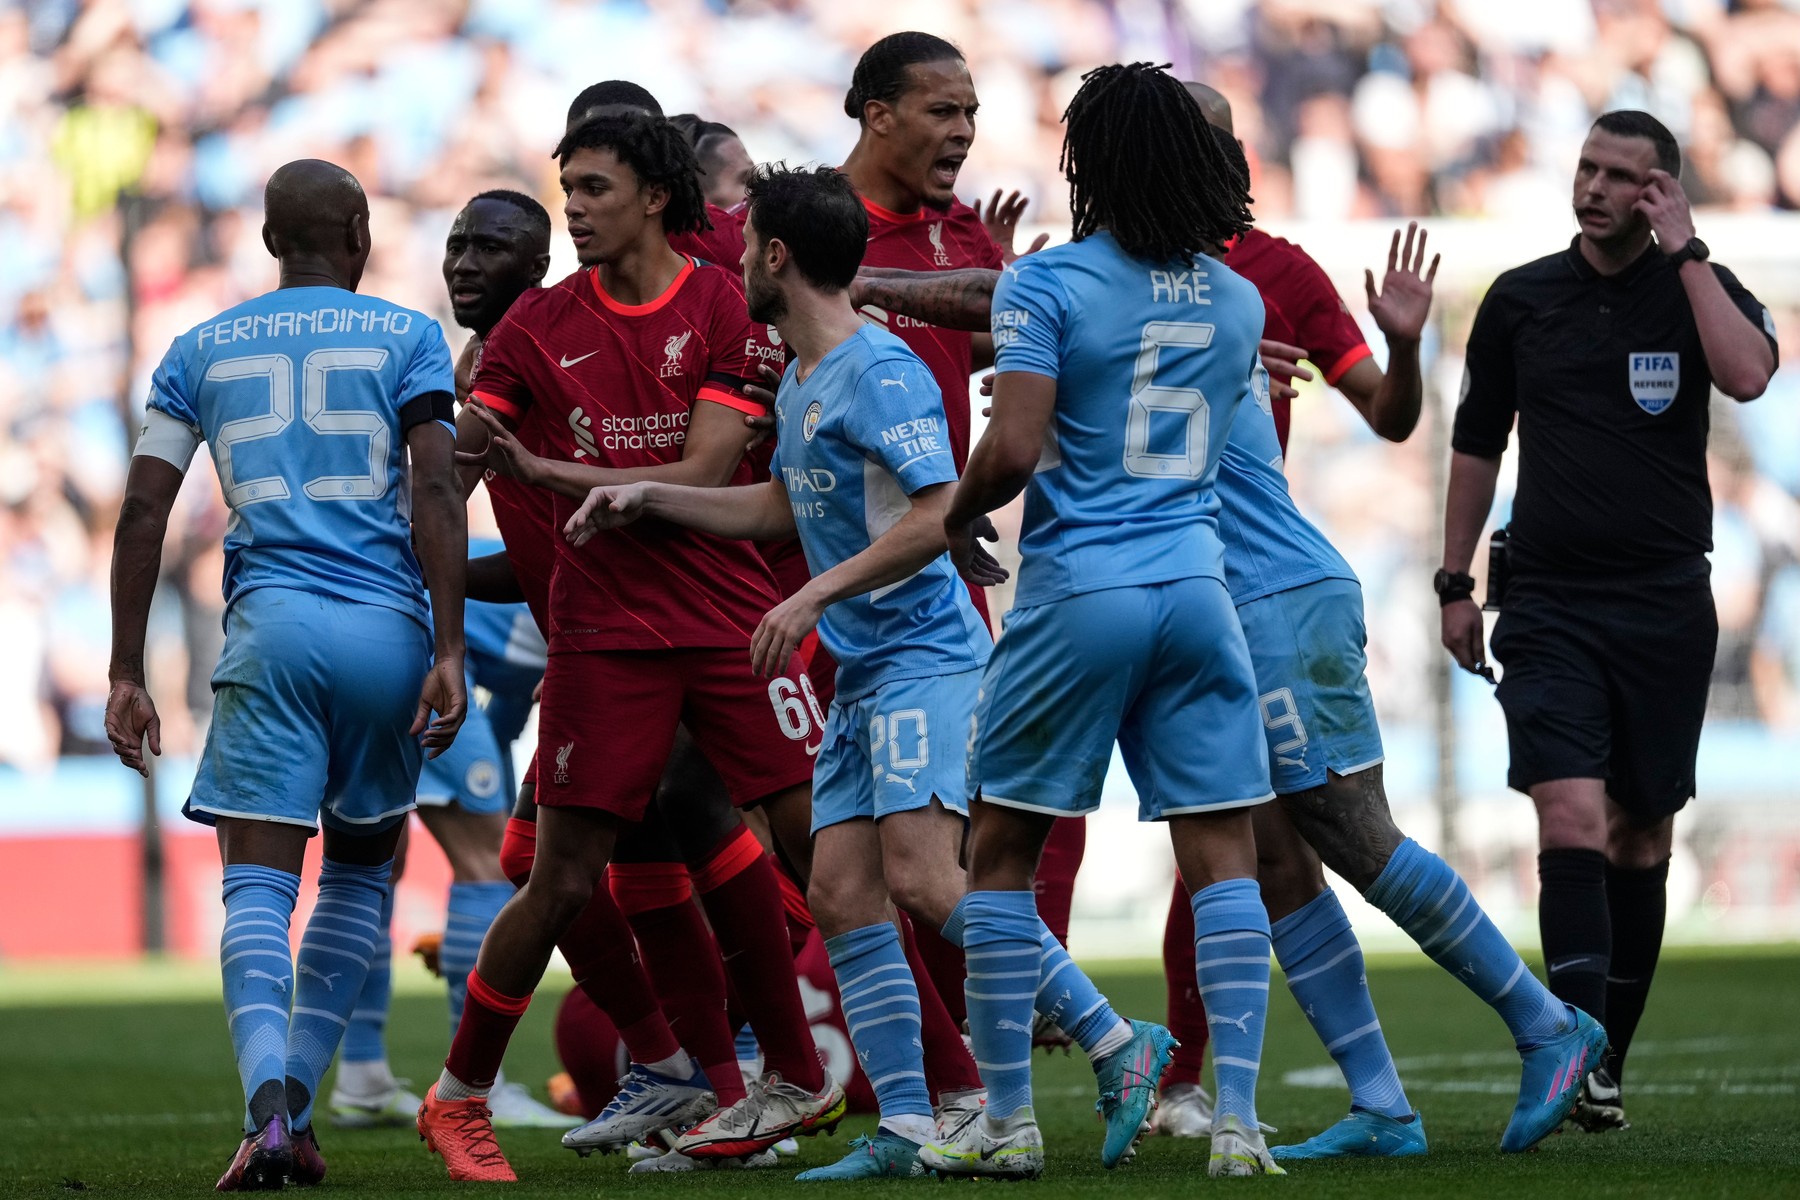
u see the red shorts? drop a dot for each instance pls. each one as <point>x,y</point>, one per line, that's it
<point>821,669</point>
<point>608,718</point>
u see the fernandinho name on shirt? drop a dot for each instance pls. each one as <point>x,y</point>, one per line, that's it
<point>291,324</point>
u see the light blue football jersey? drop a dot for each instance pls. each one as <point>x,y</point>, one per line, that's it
<point>863,432</point>
<point>303,396</point>
<point>506,648</point>
<point>1269,546</point>
<point>1151,364</point>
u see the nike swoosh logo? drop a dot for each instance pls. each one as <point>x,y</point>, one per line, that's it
<point>569,362</point>
<point>813,751</point>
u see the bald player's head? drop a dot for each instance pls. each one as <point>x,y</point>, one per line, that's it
<point>1213,105</point>
<point>316,216</point>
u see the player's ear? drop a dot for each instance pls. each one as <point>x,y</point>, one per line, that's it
<point>269,241</point>
<point>540,267</point>
<point>656,198</point>
<point>879,116</point>
<point>775,255</point>
<point>356,234</point>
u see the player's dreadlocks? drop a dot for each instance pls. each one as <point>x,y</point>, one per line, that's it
<point>1142,164</point>
<point>653,148</point>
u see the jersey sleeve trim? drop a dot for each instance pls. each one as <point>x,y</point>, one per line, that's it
<point>645,309</point>
<point>1350,358</point>
<point>730,399</point>
<point>505,408</point>
<point>165,437</point>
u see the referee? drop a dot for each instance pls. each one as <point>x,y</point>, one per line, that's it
<point>1606,353</point>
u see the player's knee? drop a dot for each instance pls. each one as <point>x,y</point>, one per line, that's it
<point>559,888</point>
<point>1639,847</point>
<point>841,902</point>
<point>922,888</point>
<point>1571,814</point>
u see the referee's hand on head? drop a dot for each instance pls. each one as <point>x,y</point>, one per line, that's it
<point>1465,637</point>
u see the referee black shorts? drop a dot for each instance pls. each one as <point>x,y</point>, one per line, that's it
<point>1606,679</point>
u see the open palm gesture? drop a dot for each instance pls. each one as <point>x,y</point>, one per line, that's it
<point>1401,306</point>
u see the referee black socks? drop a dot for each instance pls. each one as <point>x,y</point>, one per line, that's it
<point>1576,927</point>
<point>1638,903</point>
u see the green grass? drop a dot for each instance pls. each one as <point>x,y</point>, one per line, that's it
<point>120,1084</point>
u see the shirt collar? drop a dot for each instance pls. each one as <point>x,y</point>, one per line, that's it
<point>1629,277</point>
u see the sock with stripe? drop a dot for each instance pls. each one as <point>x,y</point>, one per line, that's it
<point>949,1067</point>
<point>334,959</point>
<point>488,1020</point>
<point>258,971</point>
<point>1002,942</point>
<point>742,899</point>
<point>366,1039</point>
<point>1187,1016</point>
<point>1231,956</point>
<point>473,907</point>
<point>1324,967</point>
<point>1064,992</point>
<point>1427,899</point>
<point>1638,904</point>
<point>881,1008</point>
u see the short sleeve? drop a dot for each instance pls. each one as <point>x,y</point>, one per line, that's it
<point>431,368</point>
<point>897,420</point>
<point>499,381</point>
<point>169,389</point>
<point>1490,400</point>
<point>1029,311</point>
<point>1754,310</point>
<point>736,346</point>
<point>1324,326</point>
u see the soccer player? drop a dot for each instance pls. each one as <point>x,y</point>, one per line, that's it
<point>1122,625</point>
<point>725,165</point>
<point>328,677</point>
<point>637,366</point>
<point>863,474</point>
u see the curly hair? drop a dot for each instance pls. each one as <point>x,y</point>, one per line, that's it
<point>656,152</point>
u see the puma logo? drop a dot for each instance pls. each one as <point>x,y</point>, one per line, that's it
<point>280,981</point>
<point>1242,1023</point>
<point>327,980</point>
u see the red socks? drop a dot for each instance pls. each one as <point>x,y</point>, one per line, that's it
<point>603,959</point>
<point>682,961</point>
<point>1056,871</point>
<point>1187,1013</point>
<point>518,849</point>
<point>590,1050</point>
<point>488,1021</point>
<point>800,921</point>
<point>742,898</point>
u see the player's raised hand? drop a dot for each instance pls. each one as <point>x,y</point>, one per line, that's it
<point>1665,205</point>
<point>605,508</point>
<point>445,693</point>
<point>1001,220</point>
<point>781,631</point>
<point>131,720</point>
<point>504,455</point>
<point>1283,363</point>
<point>1400,307</point>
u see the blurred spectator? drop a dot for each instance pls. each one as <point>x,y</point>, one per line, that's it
<point>135,136</point>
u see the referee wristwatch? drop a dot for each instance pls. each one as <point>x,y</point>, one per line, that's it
<point>1452,586</point>
<point>1693,250</point>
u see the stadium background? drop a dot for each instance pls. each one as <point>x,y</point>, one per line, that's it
<point>135,136</point>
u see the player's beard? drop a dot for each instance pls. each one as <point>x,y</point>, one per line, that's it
<point>766,301</point>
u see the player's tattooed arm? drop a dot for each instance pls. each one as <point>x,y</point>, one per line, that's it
<point>949,299</point>
<point>150,490</point>
<point>441,536</point>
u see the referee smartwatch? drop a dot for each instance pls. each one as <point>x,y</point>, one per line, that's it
<point>1693,250</point>
<point>1452,586</point>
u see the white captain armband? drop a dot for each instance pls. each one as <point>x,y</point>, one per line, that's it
<point>167,438</point>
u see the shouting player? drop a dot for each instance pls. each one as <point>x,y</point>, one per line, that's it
<point>863,475</point>
<point>1122,617</point>
<point>327,677</point>
<point>637,368</point>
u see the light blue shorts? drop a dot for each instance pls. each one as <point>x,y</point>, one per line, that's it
<point>1162,668</point>
<point>895,748</point>
<point>1317,714</point>
<point>313,701</point>
<point>472,773</point>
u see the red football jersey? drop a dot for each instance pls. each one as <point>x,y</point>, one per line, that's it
<point>929,240</point>
<point>722,245</point>
<point>1302,308</point>
<point>616,384</point>
<point>526,517</point>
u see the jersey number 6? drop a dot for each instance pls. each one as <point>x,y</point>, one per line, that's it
<point>1148,397</point>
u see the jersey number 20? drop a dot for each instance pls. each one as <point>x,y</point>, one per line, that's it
<point>1148,397</point>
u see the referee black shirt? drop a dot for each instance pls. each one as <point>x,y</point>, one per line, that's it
<point>1611,387</point>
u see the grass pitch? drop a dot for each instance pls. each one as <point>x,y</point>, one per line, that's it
<point>120,1084</point>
